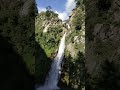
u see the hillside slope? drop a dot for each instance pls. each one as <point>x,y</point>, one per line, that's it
<point>48,32</point>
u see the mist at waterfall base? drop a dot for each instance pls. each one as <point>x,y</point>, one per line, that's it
<point>52,78</point>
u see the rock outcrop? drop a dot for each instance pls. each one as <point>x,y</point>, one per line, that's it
<point>18,28</point>
<point>102,42</point>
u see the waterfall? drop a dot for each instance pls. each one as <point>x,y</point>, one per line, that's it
<point>52,78</point>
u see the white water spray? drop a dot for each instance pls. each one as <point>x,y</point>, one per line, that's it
<point>54,73</point>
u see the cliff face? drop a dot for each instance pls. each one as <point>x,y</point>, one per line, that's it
<point>17,27</point>
<point>102,40</point>
<point>48,31</point>
<point>25,9</point>
<point>76,42</point>
<point>75,28</point>
<point>17,58</point>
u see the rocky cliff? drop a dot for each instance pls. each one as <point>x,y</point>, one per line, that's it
<point>17,26</point>
<point>17,52</point>
<point>48,32</point>
<point>102,44</point>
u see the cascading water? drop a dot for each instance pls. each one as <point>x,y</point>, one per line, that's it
<point>53,75</point>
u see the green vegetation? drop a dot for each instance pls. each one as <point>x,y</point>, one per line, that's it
<point>107,77</point>
<point>19,29</point>
<point>37,48</point>
<point>49,41</point>
<point>73,72</point>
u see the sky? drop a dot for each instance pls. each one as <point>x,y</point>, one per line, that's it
<point>62,7</point>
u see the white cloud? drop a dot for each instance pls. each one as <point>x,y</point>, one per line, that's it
<point>40,9</point>
<point>70,4</point>
<point>62,15</point>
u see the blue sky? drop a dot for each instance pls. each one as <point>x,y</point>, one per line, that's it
<point>62,7</point>
<point>55,4</point>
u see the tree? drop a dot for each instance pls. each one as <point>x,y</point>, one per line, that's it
<point>49,12</point>
<point>48,8</point>
<point>77,2</point>
<point>107,78</point>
